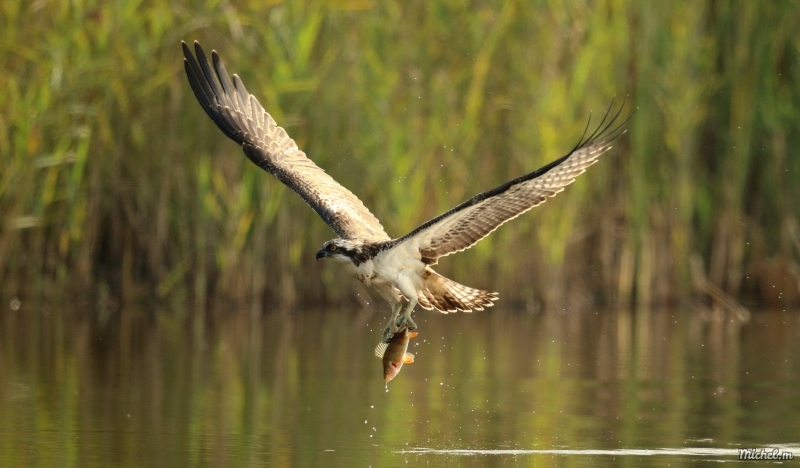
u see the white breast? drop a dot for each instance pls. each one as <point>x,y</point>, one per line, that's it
<point>399,264</point>
<point>364,272</point>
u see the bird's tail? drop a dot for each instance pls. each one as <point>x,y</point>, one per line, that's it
<point>445,295</point>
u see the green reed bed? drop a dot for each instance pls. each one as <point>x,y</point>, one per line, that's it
<point>114,181</point>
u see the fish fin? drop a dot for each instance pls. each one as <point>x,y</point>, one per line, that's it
<point>380,350</point>
<point>412,334</point>
<point>408,358</point>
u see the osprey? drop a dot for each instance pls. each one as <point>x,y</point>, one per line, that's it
<point>398,268</point>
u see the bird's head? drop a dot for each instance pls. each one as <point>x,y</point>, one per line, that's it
<point>342,250</point>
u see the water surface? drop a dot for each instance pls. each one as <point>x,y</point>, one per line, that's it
<point>158,388</point>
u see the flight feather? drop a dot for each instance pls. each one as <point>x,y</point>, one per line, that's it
<point>242,118</point>
<point>466,224</point>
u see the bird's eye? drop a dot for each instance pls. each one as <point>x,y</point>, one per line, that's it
<point>332,248</point>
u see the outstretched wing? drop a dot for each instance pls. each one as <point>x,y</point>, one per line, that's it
<point>463,226</point>
<point>239,115</point>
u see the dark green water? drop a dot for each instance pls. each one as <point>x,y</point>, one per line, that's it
<point>496,388</point>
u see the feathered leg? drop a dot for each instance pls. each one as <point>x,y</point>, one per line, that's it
<point>410,292</point>
<point>405,319</point>
<point>394,299</point>
<point>391,328</point>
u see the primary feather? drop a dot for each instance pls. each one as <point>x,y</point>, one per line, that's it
<point>240,116</point>
<point>466,224</point>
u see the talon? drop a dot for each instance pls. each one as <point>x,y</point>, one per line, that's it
<point>405,322</point>
<point>388,334</point>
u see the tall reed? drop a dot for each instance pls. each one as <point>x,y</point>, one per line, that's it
<point>113,178</point>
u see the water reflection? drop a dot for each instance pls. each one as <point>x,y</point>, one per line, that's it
<point>157,388</point>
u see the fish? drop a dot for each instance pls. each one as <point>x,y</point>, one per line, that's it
<point>395,354</point>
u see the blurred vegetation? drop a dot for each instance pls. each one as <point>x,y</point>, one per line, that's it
<point>114,180</point>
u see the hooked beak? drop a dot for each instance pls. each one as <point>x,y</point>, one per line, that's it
<point>321,254</point>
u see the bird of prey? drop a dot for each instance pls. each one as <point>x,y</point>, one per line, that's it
<point>400,268</point>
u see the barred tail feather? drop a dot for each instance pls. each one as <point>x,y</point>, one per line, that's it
<point>445,295</point>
